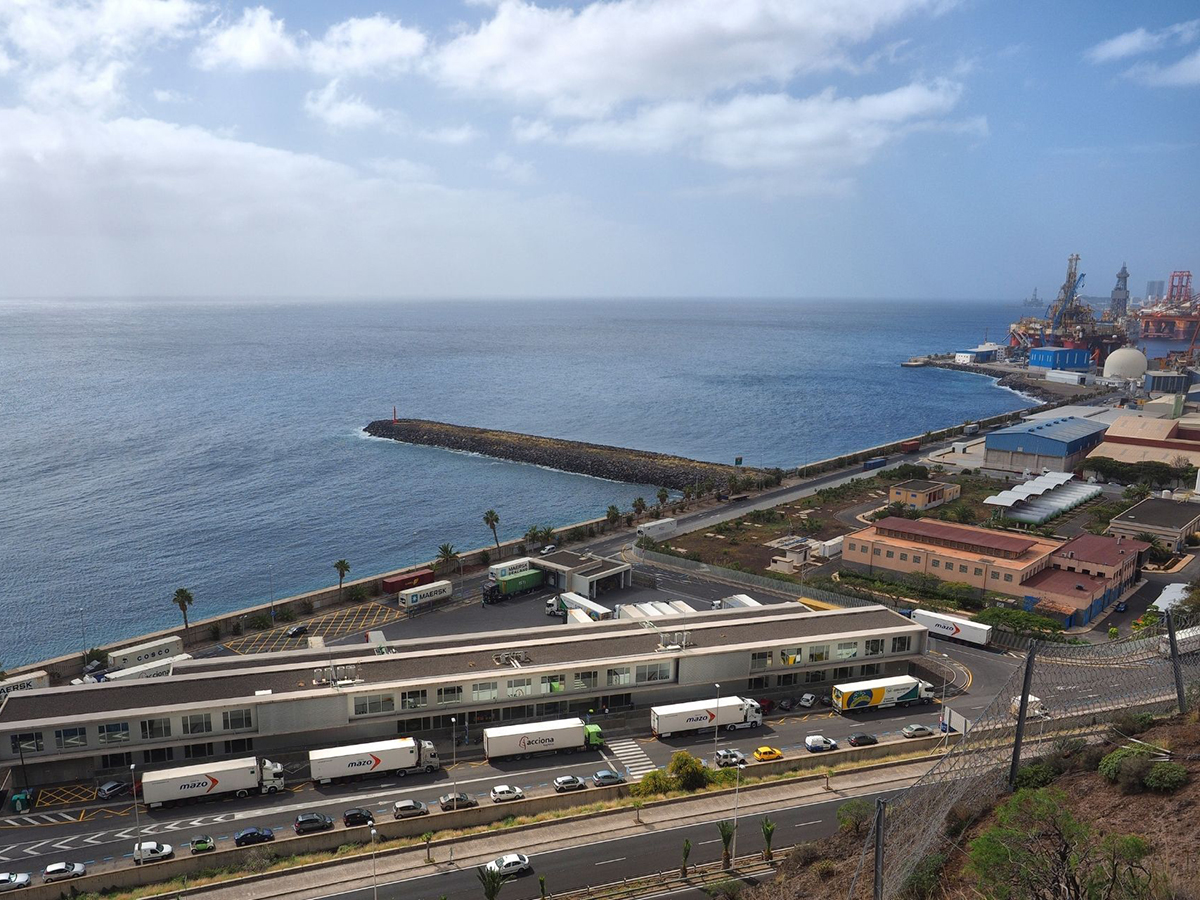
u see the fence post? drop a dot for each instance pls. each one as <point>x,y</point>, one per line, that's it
<point>1176,669</point>
<point>880,815</point>
<point>1026,683</point>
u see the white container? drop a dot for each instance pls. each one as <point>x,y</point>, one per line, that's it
<point>659,528</point>
<point>512,567</point>
<point>397,756</point>
<point>881,693</point>
<point>630,611</point>
<point>426,593</point>
<point>681,607</point>
<point>241,777</point>
<point>28,682</point>
<point>955,627</point>
<point>139,654</point>
<point>728,713</point>
<point>535,737</point>
<point>569,600</point>
<point>833,547</point>
<point>155,669</point>
<point>578,617</point>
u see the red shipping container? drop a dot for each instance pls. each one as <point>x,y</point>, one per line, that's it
<point>394,584</point>
<point>910,446</point>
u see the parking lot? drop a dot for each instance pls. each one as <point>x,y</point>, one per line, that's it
<point>64,794</point>
<point>365,617</point>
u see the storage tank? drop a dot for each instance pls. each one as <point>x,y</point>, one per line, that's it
<point>1127,362</point>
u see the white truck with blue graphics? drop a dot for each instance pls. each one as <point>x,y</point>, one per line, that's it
<point>729,713</point>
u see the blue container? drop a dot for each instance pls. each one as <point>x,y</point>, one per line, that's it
<point>877,463</point>
<point>1069,358</point>
<point>1166,382</point>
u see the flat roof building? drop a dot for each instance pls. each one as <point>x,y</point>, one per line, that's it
<point>1171,521</point>
<point>1135,439</point>
<point>918,494</point>
<point>1057,445</point>
<point>584,574</point>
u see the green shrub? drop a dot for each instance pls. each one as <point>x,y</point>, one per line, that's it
<point>1111,765</point>
<point>687,771</point>
<point>214,631</point>
<point>922,882</point>
<point>806,853</point>
<point>854,815</point>
<point>258,622</point>
<point>654,783</point>
<point>306,607</point>
<point>236,627</point>
<point>357,594</point>
<point>1166,777</point>
<point>1088,759</point>
<point>485,558</point>
<point>824,869</point>
<point>285,615</point>
<point>1132,777</point>
<point>1034,775</point>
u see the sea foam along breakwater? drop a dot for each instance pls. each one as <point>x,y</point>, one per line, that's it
<point>596,460</point>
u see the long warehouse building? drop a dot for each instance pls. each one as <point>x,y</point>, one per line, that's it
<point>280,703</point>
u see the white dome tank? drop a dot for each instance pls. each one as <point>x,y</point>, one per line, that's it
<point>1125,363</point>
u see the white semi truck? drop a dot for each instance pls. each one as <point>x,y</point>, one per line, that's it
<point>557,605</point>
<point>735,601</point>
<point>953,627</point>
<point>397,756</point>
<point>659,528</point>
<point>28,682</point>
<point>240,777</point>
<point>140,654</point>
<point>524,741</point>
<point>729,713</point>
<point>881,693</point>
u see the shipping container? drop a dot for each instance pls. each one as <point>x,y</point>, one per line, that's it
<point>954,627</point>
<point>240,777</point>
<point>881,693</point>
<point>524,741</point>
<point>28,682</point>
<point>164,648</point>
<point>394,584</point>
<point>832,547</point>
<point>560,604</point>
<point>425,594</point>
<point>910,446</point>
<point>681,607</point>
<point>396,756</point>
<point>513,585</point>
<point>154,669</point>
<point>659,528</point>
<point>630,611</point>
<point>877,462</point>
<point>728,712</point>
<point>512,567</point>
<point>578,617</point>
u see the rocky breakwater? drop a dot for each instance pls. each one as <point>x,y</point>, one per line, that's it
<point>598,460</point>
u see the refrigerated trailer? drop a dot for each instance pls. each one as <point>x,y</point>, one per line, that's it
<point>240,777</point>
<point>512,567</point>
<point>425,594</point>
<point>659,528</point>
<point>735,601</point>
<point>397,756</point>
<point>881,693</point>
<point>154,669</point>
<point>729,713</point>
<point>570,600</point>
<point>137,655</point>
<point>680,607</point>
<point>27,682</point>
<point>524,741</point>
<point>630,611</point>
<point>953,627</point>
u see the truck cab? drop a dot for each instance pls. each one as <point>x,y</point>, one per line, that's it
<point>593,738</point>
<point>272,777</point>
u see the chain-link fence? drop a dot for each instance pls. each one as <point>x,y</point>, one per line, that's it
<point>1075,691</point>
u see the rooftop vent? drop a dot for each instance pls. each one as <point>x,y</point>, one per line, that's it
<point>514,658</point>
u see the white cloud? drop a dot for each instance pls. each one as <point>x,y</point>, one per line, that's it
<point>257,40</point>
<point>6,62</point>
<point>340,112</point>
<point>588,62</point>
<point>165,95</point>
<point>139,206</point>
<point>820,135</point>
<point>402,170</point>
<point>1140,41</point>
<point>1184,73</point>
<point>450,134</point>
<point>515,170</point>
<point>375,45</point>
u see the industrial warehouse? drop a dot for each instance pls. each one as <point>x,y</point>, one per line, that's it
<point>279,703</point>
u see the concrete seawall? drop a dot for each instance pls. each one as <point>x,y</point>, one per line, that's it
<point>598,460</point>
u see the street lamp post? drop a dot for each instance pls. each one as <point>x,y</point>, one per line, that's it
<point>454,752</point>
<point>374,880</point>
<point>271,580</point>
<point>137,817</point>
<point>716,725</point>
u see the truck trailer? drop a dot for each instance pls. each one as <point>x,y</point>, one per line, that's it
<point>164,648</point>
<point>524,741</point>
<point>394,584</point>
<point>954,627</point>
<point>513,585</point>
<point>659,528</point>
<point>880,693</point>
<point>630,611</point>
<point>240,777</point>
<point>729,713</point>
<point>425,594</point>
<point>396,756</point>
<point>155,669</point>
<point>512,567</point>
<point>735,601</point>
<point>556,606</point>
<point>27,682</point>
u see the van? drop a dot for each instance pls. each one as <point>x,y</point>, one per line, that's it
<point>151,851</point>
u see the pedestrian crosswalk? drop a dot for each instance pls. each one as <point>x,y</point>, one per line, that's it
<point>632,757</point>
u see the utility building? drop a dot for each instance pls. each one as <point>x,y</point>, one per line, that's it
<point>1056,445</point>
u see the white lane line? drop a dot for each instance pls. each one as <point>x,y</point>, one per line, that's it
<point>607,861</point>
<point>813,822</point>
<point>713,841</point>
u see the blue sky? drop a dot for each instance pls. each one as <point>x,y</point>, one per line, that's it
<point>811,148</point>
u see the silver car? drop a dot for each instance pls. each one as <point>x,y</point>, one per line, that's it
<point>510,864</point>
<point>62,871</point>
<point>406,809</point>
<point>10,881</point>
<point>502,793</point>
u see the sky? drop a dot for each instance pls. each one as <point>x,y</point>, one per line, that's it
<point>527,148</point>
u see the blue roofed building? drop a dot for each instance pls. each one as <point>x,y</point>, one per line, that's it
<point>1054,445</point>
<point>1069,358</point>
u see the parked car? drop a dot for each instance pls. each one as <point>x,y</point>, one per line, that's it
<point>808,700</point>
<point>510,864</point>
<point>569,783</point>
<point>766,754</point>
<point>605,777</point>
<point>202,843</point>
<point>62,871</point>
<point>10,881</point>
<point>248,836</point>
<point>861,739</point>
<point>297,630</point>
<point>726,758</point>
<point>765,704</point>
<point>503,793</point>
<point>356,816</point>
<point>818,743</point>
<point>826,700</point>
<point>307,823</point>
<point>457,801</point>
<point>111,789</point>
<point>1122,606</point>
<point>915,730</point>
<point>406,809</point>
<point>151,851</point>
<point>548,549</point>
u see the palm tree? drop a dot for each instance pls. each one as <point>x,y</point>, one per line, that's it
<point>492,880</point>
<point>662,495</point>
<point>491,519</point>
<point>547,535</point>
<point>768,830</point>
<point>639,506</point>
<point>447,556</point>
<point>427,837</point>
<point>343,569</point>
<point>613,516</point>
<point>532,536</point>
<point>726,829</point>
<point>183,599</point>
<point>687,851</point>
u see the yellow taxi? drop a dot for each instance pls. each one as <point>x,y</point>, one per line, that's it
<point>766,754</point>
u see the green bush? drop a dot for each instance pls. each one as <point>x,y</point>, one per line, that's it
<point>1111,765</point>
<point>357,594</point>
<point>1132,777</point>
<point>922,882</point>
<point>258,622</point>
<point>285,615</point>
<point>1034,775</point>
<point>687,771</point>
<point>824,869</point>
<point>1088,759</point>
<point>1166,777</point>
<point>306,607</point>
<point>485,558</point>
<point>854,815</point>
<point>654,783</point>
<point>214,631</point>
<point>1129,724</point>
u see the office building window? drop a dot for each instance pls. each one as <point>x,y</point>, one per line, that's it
<point>237,719</point>
<point>916,558</point>
<point>842,672</point>
<point>761,660</point>
<point>852,545</point>
<point>901,644</point>
<point>414,699</point>
<point>996,576</point>
<point>239,745</point>
<point>520,687</point>
<point>870,669</point>
<point>813,677</point>
<point>449,696</point>
<point>847,650</point>
<point>158,755</point>
<point>484,690</point>
<point>654,672</point>
<point>788,680</point>
<point>586,681</point>
<point>978,571</point>
<point>114,733</point>
<point>874,647</point>
<point>70,738</point>
<point>757,684</point>
<point>904,557</point>
<point>374,704</point>
<point>116,760</point>
<point>552,684</point>
<point>875,552</point>
<point>936,564</point>
<point>962,568</point>
<point>29,742</point>
<point>155,729</point>
<point>818,653</point>
<point>619,676</point>
<point>197,751</point>
<point>198,724</point>
<point>1008,577</point>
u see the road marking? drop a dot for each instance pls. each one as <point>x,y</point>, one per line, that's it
<point>713,841</point>
<point>607,861</point>
<point>802,824</point>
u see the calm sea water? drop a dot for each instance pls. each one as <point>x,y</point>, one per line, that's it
<point>217,445</point>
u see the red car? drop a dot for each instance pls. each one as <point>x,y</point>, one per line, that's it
<point>767,705</point>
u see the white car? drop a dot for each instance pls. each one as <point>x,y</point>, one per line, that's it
<point>502,793</point>
<point>547,550</point>
<point>569,783</point>
<point>10,881</point>
<point>808,700</point>
<point>62,871</point>
<point>151,851</point>
<point>915,731</point>
<point>818,743</point>
<point>510,864</point>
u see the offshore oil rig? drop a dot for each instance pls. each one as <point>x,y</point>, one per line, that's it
<point>1069,322</point>
<point>1177,316</point>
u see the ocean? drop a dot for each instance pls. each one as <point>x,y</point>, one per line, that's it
<point>216,445</point>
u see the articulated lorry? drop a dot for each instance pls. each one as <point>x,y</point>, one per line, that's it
<point>735,601</point>
<point>240,777</point>
<point>556,606</point>
<point>881,693</point>
<point>729,713</point>
<point>397,756</point>
<point>140,654</point>
<point>154,669</point>
<point>512,567</point>
<point>954,627</point>
<point>512,585</point>
<point>659,528</point>
<point>524,741</point>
